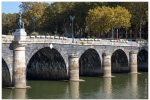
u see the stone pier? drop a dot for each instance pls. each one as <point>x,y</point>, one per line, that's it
<point>19,66</point>
<point>133,62</point>
<point>19,61</point>
<point>74,68</point>
<point>106,64</point>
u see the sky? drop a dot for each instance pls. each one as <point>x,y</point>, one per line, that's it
<point>10,7</point>
<point>13,6</point>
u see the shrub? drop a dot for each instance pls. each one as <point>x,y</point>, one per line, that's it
<point>88,36</point>
<point>10,33</point>
<point>5,41</point>
<point>93,37</point>
<point>34,33</point>
<point>111,38</point>
<point>47,34</point>
<point>82,43</point>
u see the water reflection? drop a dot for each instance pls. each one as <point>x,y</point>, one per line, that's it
<point>19,94</point>
<point>146,88</point>
<point>134,85</point>
<point>123,86</point>
<point>107,86</point>
<point>74,90</point>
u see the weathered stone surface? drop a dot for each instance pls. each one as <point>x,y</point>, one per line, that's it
<point>106,64</point>
<point>66,49</point>
<point>19,67</point>
<point>73,67</point>
<point>133,61</point>
<point>20,35</point>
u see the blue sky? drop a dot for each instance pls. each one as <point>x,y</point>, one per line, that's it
<point>10,7</point>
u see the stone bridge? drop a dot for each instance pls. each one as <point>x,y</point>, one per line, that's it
<point>59,59</point>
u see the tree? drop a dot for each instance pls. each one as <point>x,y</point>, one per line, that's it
<point>9,23</point>
<point>30,10</point>
<point>81,11</point>
<point>99,19</point>
<point>139,18</point>
<point>54,18</point>
<point>121,18</point>
<point>102,19</point>
<point>25,6</point>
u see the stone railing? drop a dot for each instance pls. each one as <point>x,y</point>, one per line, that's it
<point>77,41</point>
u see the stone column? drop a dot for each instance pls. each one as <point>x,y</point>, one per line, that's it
<point>19,66</point>
<point>133,62</point>
<point>106,64</point>
<point>73,67</point>
<point>19,61</point>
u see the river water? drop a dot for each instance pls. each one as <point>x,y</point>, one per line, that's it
<point>122,86</point>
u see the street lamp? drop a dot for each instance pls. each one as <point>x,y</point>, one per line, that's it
<point>34,19</point>
<point>72,19</point>
<point>140,28</point>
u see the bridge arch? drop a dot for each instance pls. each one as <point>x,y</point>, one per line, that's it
<point>90,63</point>
<point>38,47</point>
<point>46,64</point>
<point>120,61</point>
<point>6,76</point>
<point>142,59</point>
<point>121,48</point>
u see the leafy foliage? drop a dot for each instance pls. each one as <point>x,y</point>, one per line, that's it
<point>100,17</point>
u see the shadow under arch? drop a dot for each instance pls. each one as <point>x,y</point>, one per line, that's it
<point>46,64</point>
<point>119,62</point>
<point>6,77</point>
<point>142,60</point>
<point>90,63</point>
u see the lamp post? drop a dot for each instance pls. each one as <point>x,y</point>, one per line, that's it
<point>140,28</point>
<point>72,19</point>
<point>117,31</point>
<point>34,19</point>
<point>126,34</point>
<point>112,33</point>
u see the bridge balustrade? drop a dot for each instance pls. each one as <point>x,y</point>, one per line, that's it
<point>81,41</point>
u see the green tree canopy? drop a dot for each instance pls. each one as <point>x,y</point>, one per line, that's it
<point>121,17</point>
<point>9,23</point>
<point>101,19</point>
<point>55,17</point>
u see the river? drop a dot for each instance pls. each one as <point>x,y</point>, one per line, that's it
<point>122,86</point>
